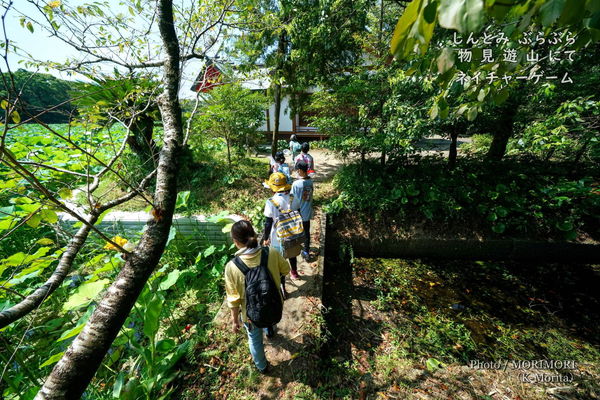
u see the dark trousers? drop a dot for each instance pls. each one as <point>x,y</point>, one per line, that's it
<point>294,264</point>
<point>306,225</point>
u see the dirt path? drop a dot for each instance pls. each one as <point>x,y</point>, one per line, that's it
<point>290,352</point>
<point>326,165</point>
<point>298,330</point>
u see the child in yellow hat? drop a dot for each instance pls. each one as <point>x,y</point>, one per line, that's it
<point>281,200</point>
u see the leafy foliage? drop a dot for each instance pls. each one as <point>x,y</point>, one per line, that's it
<point>511,199</point>
<point>155,336</point>
<point>232,113</point>
<point>570,133</point>
<point>414,35</point>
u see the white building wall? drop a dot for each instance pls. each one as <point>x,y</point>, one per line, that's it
<point>285,121</point>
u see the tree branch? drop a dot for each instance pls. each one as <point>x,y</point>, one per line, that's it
<point>45,166</point>
<point>9,290</point>
<point>32,301</point>
<point>24,173</point>
<point>29,304</point>
<point>23,221</point>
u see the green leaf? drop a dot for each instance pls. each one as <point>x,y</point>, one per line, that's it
<point>15,117</point>
<point>565,226</point>
<point>78,327</point>
<point>550,11</point>
<point>165,345</point>
<point>23,259</point>
<point>71,332</point>
<point>171,359</point>
<point>573,12</point>
<point>118,386</point>
<point>499,227</point>
<point>45,242</point>
<point>502,212</point>
<point>65,193</point>
<point>172,233</point>
<point>152,316</point>
<point>444,113</point>
<point>29,27</point>
<point>52,359</point>
<point>227,228</point>
<point>400,45</point>
<point>85,294</point>
<point>7,223</point>
<point>482,93</point>
<point>433,365</point>
<point>462,15</point>
<point>209,251</point>
<point>4,104</point>
<point>425,33</point>
<point>472,114</point>
<point>34,221</point>
<point>170,280</point>
<point>434,111</point>
<point>445,60</point>
<point>430,11</point>
<point>182,199</point>
<point>49,216</point>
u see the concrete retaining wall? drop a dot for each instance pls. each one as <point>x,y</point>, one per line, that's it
<point>518,250</point>
<point>196,228</point>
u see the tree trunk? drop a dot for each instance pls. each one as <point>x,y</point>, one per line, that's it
<point>505,124</point>
<point>277,98</point>
<point>74,371</point>
<point>582,151</point>
<point>228,151</point>
<point>141,140</point>
<point>383,49</point>
<point>499,143</point>
<point>453,150</point>
<point>277,91</point>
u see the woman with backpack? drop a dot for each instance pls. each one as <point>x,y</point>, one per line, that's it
<point>281,203</point>
<point>252,269</point>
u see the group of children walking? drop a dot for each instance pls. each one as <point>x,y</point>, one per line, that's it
<point>255,278</point>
